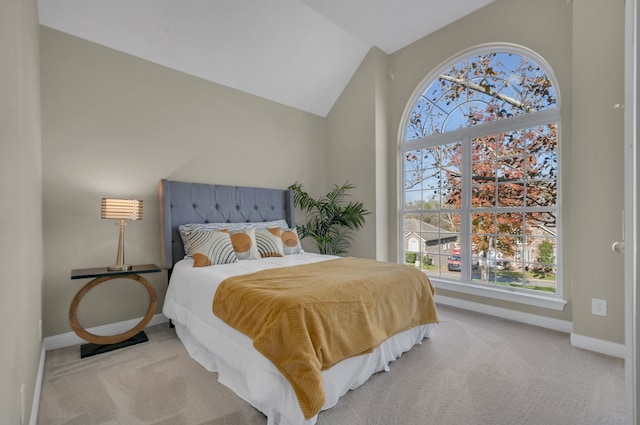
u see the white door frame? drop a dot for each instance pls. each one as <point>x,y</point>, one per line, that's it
<point>631,187</point>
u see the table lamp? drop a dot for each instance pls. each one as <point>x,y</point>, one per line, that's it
<point>121,209</point>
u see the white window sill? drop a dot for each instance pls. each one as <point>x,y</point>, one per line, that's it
<point>502,293</point>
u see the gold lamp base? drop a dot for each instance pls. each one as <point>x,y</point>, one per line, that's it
<point>120,265</point>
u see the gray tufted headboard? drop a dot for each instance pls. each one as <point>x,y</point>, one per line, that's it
<point>185,203</point>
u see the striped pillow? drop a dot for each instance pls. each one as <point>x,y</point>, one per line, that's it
<point>270,242</point>
<point>210,248</point>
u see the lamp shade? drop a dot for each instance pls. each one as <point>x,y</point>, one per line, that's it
<point>121,209</point>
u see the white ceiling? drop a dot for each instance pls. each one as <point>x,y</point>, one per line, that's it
<point>300,53</point>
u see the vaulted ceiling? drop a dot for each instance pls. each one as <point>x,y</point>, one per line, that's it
<point>301,53</point>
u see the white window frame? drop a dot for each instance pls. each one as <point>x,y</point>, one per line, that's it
<point>465,135</point>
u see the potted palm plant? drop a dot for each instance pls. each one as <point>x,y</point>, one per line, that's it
<point>331,219</point>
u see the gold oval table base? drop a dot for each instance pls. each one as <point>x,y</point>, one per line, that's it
<point>111,339</point>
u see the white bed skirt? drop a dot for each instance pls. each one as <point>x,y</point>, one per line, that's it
<point>256,380</point>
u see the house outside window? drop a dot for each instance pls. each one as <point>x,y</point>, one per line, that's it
<point>480,173</point>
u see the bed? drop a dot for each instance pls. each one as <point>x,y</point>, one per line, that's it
<point>220,348</point>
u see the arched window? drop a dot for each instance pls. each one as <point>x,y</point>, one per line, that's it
<point>479,153</point>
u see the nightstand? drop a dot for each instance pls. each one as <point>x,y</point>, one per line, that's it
<point>101,344</point>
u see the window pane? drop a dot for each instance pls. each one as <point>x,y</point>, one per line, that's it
<point>451,154</point>
<point>432,179</point>
<point>483,224</point>
<point>452,175</point>
<point>510,195</point>
<point>511,144</point>
<point>483,195</point>
<point>541,139</point>
<point>413,169</point>
<point>541,265</point>
<point>541,169</point>
<point>432,157</point>
<point>542,193</point>
<point>429,240</point>
<point>511,169</point>
<point>510,224</point>
<point>540,224</point>
<point>412,199</point>
<point>484,149</point>
<point>452,197</point>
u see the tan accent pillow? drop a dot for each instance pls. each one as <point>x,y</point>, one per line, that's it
<point>244,244</point>
<point>291,242</point>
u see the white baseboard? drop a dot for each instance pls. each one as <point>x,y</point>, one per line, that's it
<point>35,405</point>
<point>505,313</point>
<point>578,341</point>
<point>70,338</point>
<point>598,345</point>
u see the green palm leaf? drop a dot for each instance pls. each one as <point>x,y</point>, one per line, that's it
<point>331,219</point>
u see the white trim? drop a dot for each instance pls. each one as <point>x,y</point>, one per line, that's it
<point>503,293</point>
<point>631,188</point>
<point>70,338</point>
<point>505,313</point>
<point>37,391</point>
<point>598,345</point>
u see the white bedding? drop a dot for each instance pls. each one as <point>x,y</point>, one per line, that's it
<point>220,348</point>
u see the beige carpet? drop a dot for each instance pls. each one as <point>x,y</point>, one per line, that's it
<point>475,370</point>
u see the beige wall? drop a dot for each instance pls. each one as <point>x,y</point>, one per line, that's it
<point>596,194</point>
<point>21,213</point>
<point>114,125</point>
<point>357,143</point>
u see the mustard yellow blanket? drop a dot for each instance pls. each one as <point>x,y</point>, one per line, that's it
<point>309,317</point>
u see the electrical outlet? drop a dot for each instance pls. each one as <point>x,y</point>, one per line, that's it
<point>598,307</point>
